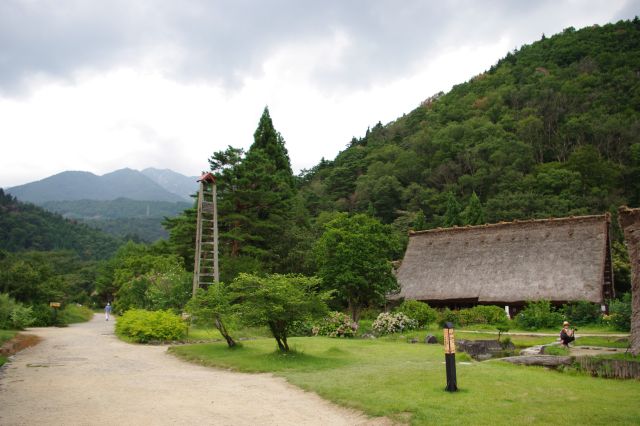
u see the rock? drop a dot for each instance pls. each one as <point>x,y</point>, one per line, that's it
<point>430,339</point>
<point>484,349</point>
<point>483,357</point>
<point>413,340</point>
<point>533,350</point>
<point>368,336</point>
<point>544,360</point>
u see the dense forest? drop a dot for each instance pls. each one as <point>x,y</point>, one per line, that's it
<point>553,129</point>
<point>124,218</point>
<point>24,226</point>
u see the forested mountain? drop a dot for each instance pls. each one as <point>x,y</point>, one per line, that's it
<point>553,129</point>
<point>176,183</point>
<point>28,227</point>
<point>115,209</point>
<point>124,218</point>
<point>72,185</point>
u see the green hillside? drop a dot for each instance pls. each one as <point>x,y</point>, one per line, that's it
<point>115,209</point>
<point>553,129</point>
<point>28,227</point>
<point>122,217</point>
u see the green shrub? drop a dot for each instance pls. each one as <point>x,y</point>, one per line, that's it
<point>14,315</point>
<point>301,328</point>
<point>447,315</point>
<point>44,315</point>
<point>146,326</point>
<point>503,327</point>
<point>620,313</point>
<point>336,324</point>
<point>21,317</point>
<point>582,312</point>
<point>539,315</point>
<point>419,311</point>
<point>388,323</point>
<point>482,314</point>
<point>370,313</point>
<point>73,313</point>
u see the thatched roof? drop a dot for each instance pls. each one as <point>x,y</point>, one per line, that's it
<point>553,259</point>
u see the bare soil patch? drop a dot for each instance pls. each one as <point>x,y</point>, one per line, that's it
<point>18,343</point>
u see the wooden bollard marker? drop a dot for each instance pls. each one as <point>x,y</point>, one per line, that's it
<point>450,358</point>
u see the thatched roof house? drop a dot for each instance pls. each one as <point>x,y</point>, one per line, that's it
<point>510,263</point>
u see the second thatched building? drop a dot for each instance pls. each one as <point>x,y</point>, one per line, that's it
<point>510,263</point>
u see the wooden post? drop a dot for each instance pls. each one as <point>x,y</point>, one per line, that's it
<point>450,358</point>
<point>216,273</point>
<point>196,267</point>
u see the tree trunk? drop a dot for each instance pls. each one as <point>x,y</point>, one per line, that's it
<point>630,222</point>
<point>282,342</point>
<point>355,311</point>
<point>223,330</point>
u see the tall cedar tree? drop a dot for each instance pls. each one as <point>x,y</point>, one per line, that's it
<point>255,193</point>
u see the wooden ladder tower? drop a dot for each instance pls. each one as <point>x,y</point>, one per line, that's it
<point>205,270</point>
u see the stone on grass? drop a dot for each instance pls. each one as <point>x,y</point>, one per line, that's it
<point>431,339</point>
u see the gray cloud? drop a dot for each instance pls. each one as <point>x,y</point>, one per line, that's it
<point>223,40</point>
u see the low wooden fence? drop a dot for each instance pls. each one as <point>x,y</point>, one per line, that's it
<point>611,368</point>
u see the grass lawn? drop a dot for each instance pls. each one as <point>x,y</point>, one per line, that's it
<point>198,333</point>
<point>5,335</point>
<point>406,382</point>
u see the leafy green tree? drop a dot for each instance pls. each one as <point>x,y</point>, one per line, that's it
<point>278,301</point>
<point>213,306</point>
<point>141,276</point>
<point>353,257</point>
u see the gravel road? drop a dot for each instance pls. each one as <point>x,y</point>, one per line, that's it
<point>84,375</point>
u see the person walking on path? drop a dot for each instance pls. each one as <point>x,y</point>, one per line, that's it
<point>107,311</point>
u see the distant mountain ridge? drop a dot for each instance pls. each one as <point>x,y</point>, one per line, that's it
<point>173,182</point>
<point>148,185</point>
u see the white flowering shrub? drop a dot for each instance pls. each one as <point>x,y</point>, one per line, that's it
<point>388,323</point>
<point>336,324</point>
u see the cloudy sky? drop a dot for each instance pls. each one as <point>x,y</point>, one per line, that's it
<point>102,85</point>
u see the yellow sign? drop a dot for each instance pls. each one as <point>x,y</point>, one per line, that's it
<point>54,304</point>
<point>449,341</point>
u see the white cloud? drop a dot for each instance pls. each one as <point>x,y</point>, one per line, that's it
<point>171,87</point>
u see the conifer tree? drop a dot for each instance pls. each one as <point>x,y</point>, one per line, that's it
<point>255,193</point>
<point>452,214</point>
<point>474,213</point>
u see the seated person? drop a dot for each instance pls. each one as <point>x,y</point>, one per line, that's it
<point>567,335</point>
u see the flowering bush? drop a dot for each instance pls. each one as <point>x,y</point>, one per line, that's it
<point>387,323</point>
<point>336,324</point>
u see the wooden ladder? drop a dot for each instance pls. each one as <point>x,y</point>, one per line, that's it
<point>205,270</point>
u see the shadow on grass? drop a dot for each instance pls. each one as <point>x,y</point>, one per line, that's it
<point>252,358</point>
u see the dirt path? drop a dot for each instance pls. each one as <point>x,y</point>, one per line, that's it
<point>83,375</point>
